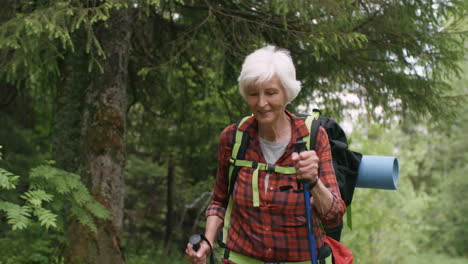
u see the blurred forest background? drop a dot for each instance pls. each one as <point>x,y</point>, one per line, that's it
<point>110,112</point>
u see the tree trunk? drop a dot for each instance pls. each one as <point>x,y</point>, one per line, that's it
<point>68,107</point>
<point>170,207</point>
<point>103,146</point>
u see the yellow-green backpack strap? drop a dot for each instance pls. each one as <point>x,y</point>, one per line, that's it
<point>308,122</point>
<point>255,193</point>
<point>239,137</point>
<point>227,220</point>
<point>308,119</point>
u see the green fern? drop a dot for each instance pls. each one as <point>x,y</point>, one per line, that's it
<point>46,217</point>
<point>17,216</point>
<point>62,181</point>
<point>8,180</point>
<point>56,187</point>
<point>34,201</point>
<point>84,218</point>
<point>98,210</point>
<point>35,197</point>
<point>68,188</point>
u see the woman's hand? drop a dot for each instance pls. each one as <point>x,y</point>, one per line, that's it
<point>197,257</point>
<point>306,164</point>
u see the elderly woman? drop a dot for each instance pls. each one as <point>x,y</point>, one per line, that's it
<point>274,228</point>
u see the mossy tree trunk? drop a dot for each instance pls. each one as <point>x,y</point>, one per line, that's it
<point>103,146</point>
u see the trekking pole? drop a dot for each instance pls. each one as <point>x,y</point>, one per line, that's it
<point>196,239</point>
<point>300,146</point>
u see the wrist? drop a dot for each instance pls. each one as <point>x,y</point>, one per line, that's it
<point>313,183</point>
<point>207,248</point>
<point>207,242</point>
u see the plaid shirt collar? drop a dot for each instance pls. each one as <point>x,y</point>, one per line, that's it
<point>299,128</point>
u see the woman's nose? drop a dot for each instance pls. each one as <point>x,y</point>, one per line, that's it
<point>262,101</point>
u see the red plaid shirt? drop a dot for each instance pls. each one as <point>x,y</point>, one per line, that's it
<point>277,230</point>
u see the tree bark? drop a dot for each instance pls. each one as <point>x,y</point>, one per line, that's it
<point>103,146</point>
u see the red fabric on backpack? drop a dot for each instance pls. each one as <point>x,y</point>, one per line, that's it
<point>341,254</point>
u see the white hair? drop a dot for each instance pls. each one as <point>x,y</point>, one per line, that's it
<point>262,64</point>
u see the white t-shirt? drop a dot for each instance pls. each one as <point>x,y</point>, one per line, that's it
<point>272,152</point>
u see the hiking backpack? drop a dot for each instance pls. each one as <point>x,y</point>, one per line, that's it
<point>345,163</point>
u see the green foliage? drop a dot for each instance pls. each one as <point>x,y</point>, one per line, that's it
<point>19,217</point>
<point>31,245</point>
<point>403,49</point>
<point>70,192</point>
<point>7,179</point>
<point>37,224</point>
<point>426,214</point>
<point>35,23</point>
<point>149,255</point>
<point>435,258</point>
<point>65,187</point>
<point>444,173</point>
<point>46,217</point>
<point>385,223</point>
<point>145,204</point>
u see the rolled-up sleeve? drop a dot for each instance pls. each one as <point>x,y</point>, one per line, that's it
<point>334,215</point>
<point>220,196</point>
<point>327,176</point>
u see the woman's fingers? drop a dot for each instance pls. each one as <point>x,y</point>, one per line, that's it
<point>197,257</point>
<point>306,164</point>
<point>295,156</point>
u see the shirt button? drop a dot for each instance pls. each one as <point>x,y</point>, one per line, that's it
<point>267,228</point>
<point>271,188</point>
<point>269,249</point>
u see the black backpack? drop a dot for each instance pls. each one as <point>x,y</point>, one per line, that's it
<point>345,163</point>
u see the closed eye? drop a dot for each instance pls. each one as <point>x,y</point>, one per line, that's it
<point>271,91</point>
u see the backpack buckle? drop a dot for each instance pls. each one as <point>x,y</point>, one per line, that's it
<point>254,164</point>
<point>270,167</point>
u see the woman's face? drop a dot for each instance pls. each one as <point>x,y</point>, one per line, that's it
<point>267,100</point>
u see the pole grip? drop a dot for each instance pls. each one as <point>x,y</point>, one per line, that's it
<point>195,240</point>
<point>300,146</point>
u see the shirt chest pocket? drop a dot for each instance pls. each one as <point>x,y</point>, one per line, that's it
<point>288,209</point>
<point>242,193</point>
